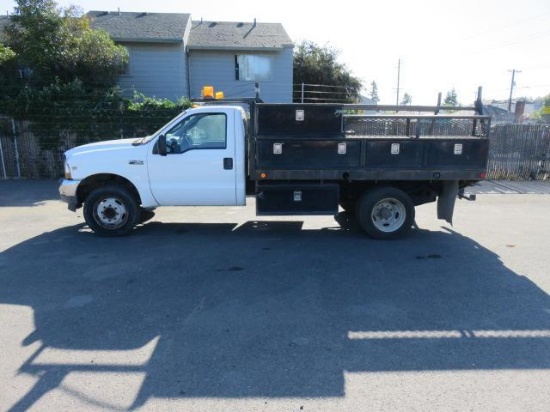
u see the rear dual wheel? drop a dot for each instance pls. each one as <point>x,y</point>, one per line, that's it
<point>385,213</point>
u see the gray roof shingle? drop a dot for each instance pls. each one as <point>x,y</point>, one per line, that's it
<point>171,28</point>
<point>141,27</point>
<point>211,35</point>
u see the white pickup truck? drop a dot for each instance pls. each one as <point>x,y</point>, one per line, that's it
<point>300,158</point>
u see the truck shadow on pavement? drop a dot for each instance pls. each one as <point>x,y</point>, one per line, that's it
<point>265,309</point>
<point>27,193</point>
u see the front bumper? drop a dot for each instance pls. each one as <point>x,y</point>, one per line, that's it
<point>67,191</point>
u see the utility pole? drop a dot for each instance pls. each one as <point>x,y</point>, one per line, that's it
<point>398,80</point>
<point>514,71</point>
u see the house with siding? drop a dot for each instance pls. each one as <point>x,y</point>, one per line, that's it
<point>156,45</point>
<point>172,56</point>
<point>233,56</point>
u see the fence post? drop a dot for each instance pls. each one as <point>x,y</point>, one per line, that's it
<point>303,87</point>
<point>2,156</point>
<point>16,149</point>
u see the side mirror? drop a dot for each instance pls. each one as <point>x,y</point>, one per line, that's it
<point>163,151</point>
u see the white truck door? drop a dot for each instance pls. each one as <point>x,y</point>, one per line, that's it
<point>200,168</point>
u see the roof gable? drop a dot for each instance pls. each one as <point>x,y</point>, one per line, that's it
<point>141,27</point>
<point>232,35</point>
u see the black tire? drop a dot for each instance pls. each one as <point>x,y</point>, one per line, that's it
<point>385,213</point>
<point>111,211</point>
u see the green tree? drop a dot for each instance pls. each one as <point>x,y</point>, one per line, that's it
<point>6,54</point>
<point>317,65</point>
<point>60,44</point>
<point>374,92</point>
<point>33,33</point>
<point>8,74</point>
<point>407,99</point>
<point>544,113</point>
<point>451,99</point>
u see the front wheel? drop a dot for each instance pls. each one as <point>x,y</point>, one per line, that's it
<point>111,211</point>
<point>385,213</point>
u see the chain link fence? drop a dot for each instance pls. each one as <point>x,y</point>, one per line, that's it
<point>517,152</point>
<point>21,156</point>
<point>26,148</point>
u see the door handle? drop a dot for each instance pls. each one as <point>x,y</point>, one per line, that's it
<point>228,163</point>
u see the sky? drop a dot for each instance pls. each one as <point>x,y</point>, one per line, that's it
<point>440,45</point>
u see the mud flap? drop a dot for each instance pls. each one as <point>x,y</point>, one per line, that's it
<point>446,200</point>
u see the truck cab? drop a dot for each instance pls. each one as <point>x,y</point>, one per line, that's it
<point>197,159</point>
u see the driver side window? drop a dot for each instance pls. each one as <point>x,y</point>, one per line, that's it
<point>200,131</point>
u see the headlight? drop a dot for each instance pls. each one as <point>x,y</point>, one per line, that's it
<point>68,171</point>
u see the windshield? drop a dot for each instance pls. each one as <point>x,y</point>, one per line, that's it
<point>147,139</point>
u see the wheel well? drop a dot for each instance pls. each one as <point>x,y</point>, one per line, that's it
<point>420,191</point>
<point>93,182</point>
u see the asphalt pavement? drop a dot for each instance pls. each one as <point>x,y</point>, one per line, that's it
<point>215,309</point>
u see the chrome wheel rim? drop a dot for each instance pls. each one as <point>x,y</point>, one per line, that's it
<point>388,215</point>
<point>111,213</point>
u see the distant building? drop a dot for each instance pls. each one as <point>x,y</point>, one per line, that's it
<point>529,109</point>
<point>498,114</point>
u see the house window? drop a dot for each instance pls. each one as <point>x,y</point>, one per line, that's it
<point>250,67</point>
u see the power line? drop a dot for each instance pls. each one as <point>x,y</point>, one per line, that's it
<point>532,86</point>
<point>509,42</point>
<point>505,26</point>
<point>512,42</point>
